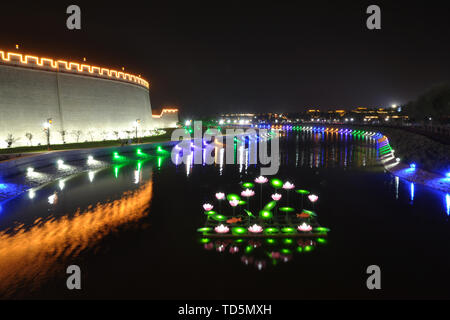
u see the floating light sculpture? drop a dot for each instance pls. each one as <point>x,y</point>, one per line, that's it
<point>266,214</point>
<point>248,185</point>
<point>220,195</point>
<point>288,186</point>
<point>234,202</point>
<point>247,193</point>
<point>304,227</point>
<point>238,230</point>
<point>313,198</point>
<point>276,196</point>
<point>221,229</point>
<point>276,183</point>
<point>208,207</point>
<point>261,180</point>
<point>255,229</point>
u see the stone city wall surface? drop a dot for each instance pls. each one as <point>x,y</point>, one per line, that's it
<point>99,107</point>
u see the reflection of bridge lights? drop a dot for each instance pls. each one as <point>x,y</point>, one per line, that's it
<point>53,198</point>
<point>30,171</point>
<point>412,191</point>
<point>31,193</point>
<point>447,201</point>
<point>61,165</point>
<point>91,175</point>
<point>61,184</point>
<point>91,160</point>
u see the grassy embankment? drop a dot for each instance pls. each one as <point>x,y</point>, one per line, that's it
<point>82,145</point>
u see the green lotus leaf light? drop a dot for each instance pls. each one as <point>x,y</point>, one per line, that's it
<point>249,213</point>
<point>210,213</point>
<point>287,209</point>
<point>321,240</point>
<point>271,230</point>
<point>276,183</point>
<point>219,217</point>
<point>270,205</point>
<point>248,185</point>
<point>266,214</point>
<point>286,251</point>
<point>204,229</point>
<point>204,240</point>
<point>308,248</point>
<point>311,213</point>
<point>248,249</point>
<point>238,240</point>
<point>242,202</point>
<point>322,229</point>
<point>233,196</point>
<point>271,241</point>
<point>238,231</point>
<point>287,230</point>
<point>301,191</point>
<point>299,249</point>
<point>288,241</point>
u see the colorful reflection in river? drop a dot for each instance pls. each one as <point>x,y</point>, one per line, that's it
<point>30,254</point>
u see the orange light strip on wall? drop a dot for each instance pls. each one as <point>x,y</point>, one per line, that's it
<point>29,61</point>
<point>165,110</point>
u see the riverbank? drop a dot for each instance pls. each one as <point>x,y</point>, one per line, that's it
<point>427,154</point>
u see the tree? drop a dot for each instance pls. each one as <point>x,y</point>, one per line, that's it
<point>434,104</point>
<point>91,134</point>
<point>10,140</point>
<point>116,134</point>
<point>104,134</point>
<point>29,137</point>
<point>77,134</point>
<point>63,135</point>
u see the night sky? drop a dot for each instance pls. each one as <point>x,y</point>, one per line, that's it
<point>223,56</point>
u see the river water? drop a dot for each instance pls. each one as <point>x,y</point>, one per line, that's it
<point>132,230</point>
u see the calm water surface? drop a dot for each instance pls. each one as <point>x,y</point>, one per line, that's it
<point>132,230</point>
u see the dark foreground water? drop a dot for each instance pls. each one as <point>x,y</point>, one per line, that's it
<point>132,230</point>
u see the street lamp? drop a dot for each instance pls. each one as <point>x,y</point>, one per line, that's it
<point>136,125</point>
<point>47,126</point>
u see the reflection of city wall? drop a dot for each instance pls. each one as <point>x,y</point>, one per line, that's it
<point>95,106</point>
<point>29,254</point>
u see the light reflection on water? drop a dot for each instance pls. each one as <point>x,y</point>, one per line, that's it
<point>29,254</point>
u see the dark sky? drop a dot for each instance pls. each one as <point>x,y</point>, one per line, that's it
<point>220,56</point>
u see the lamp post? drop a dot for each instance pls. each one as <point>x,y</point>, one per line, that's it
<point>47,126</point>
<point>136,125</point>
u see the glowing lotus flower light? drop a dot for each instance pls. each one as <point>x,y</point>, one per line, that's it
<point>313,198</point>
<point>261,179</point>
<point>220,195</point>
<point>288,186</point>
<point>276,196</point>
<point>208,207</point>
<point>234,202</point>
<point>248,193</point>
<point>255,229</point>
<point>221,229</point>
<point>304,227</point>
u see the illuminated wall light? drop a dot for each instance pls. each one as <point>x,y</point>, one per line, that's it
<point>31,61</point>
<point>61,184</point>
<point>412,166</point>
